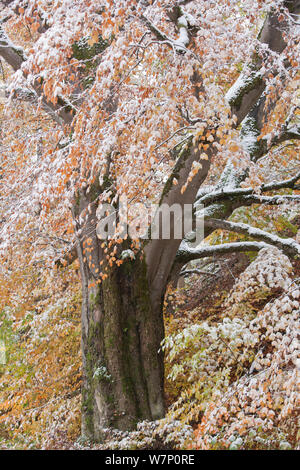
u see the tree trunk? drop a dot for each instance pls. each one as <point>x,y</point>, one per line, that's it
<point>123,368</point>
<point>122,330</point>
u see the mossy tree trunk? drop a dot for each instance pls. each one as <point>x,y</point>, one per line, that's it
<point>123,379</point>
<point>121,334</point>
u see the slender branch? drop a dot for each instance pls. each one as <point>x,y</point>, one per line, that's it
<point>289,183</point>
<point>12,54</point>
<point>172,135</point>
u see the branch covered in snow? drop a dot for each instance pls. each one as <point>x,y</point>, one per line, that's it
<point>257,148</point>
<point>287,245</point>
<point>11,53</point>
<point>178,45</point>
<point>15,56</point>
<point>269,200</point>
<point>186,253</point>
<point>251,83</point>
<point>287,133</point>
<point>212,197</point>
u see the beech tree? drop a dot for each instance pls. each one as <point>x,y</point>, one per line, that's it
<point>146,99</point>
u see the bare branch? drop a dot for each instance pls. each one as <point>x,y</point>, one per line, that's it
<point>188,272</point>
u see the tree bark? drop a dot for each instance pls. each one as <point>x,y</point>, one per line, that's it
<point>123,372</point>
<point>123,368</point>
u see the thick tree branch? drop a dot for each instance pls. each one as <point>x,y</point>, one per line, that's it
<point>222,195</point>
<point>251,129</point>
<point>182,23</point>
<point>268,200</point>
<point>288,245</point>
<point>12,54</point>
<point>249,87</point>
<point>186,254</point>
<point>15,57</point>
